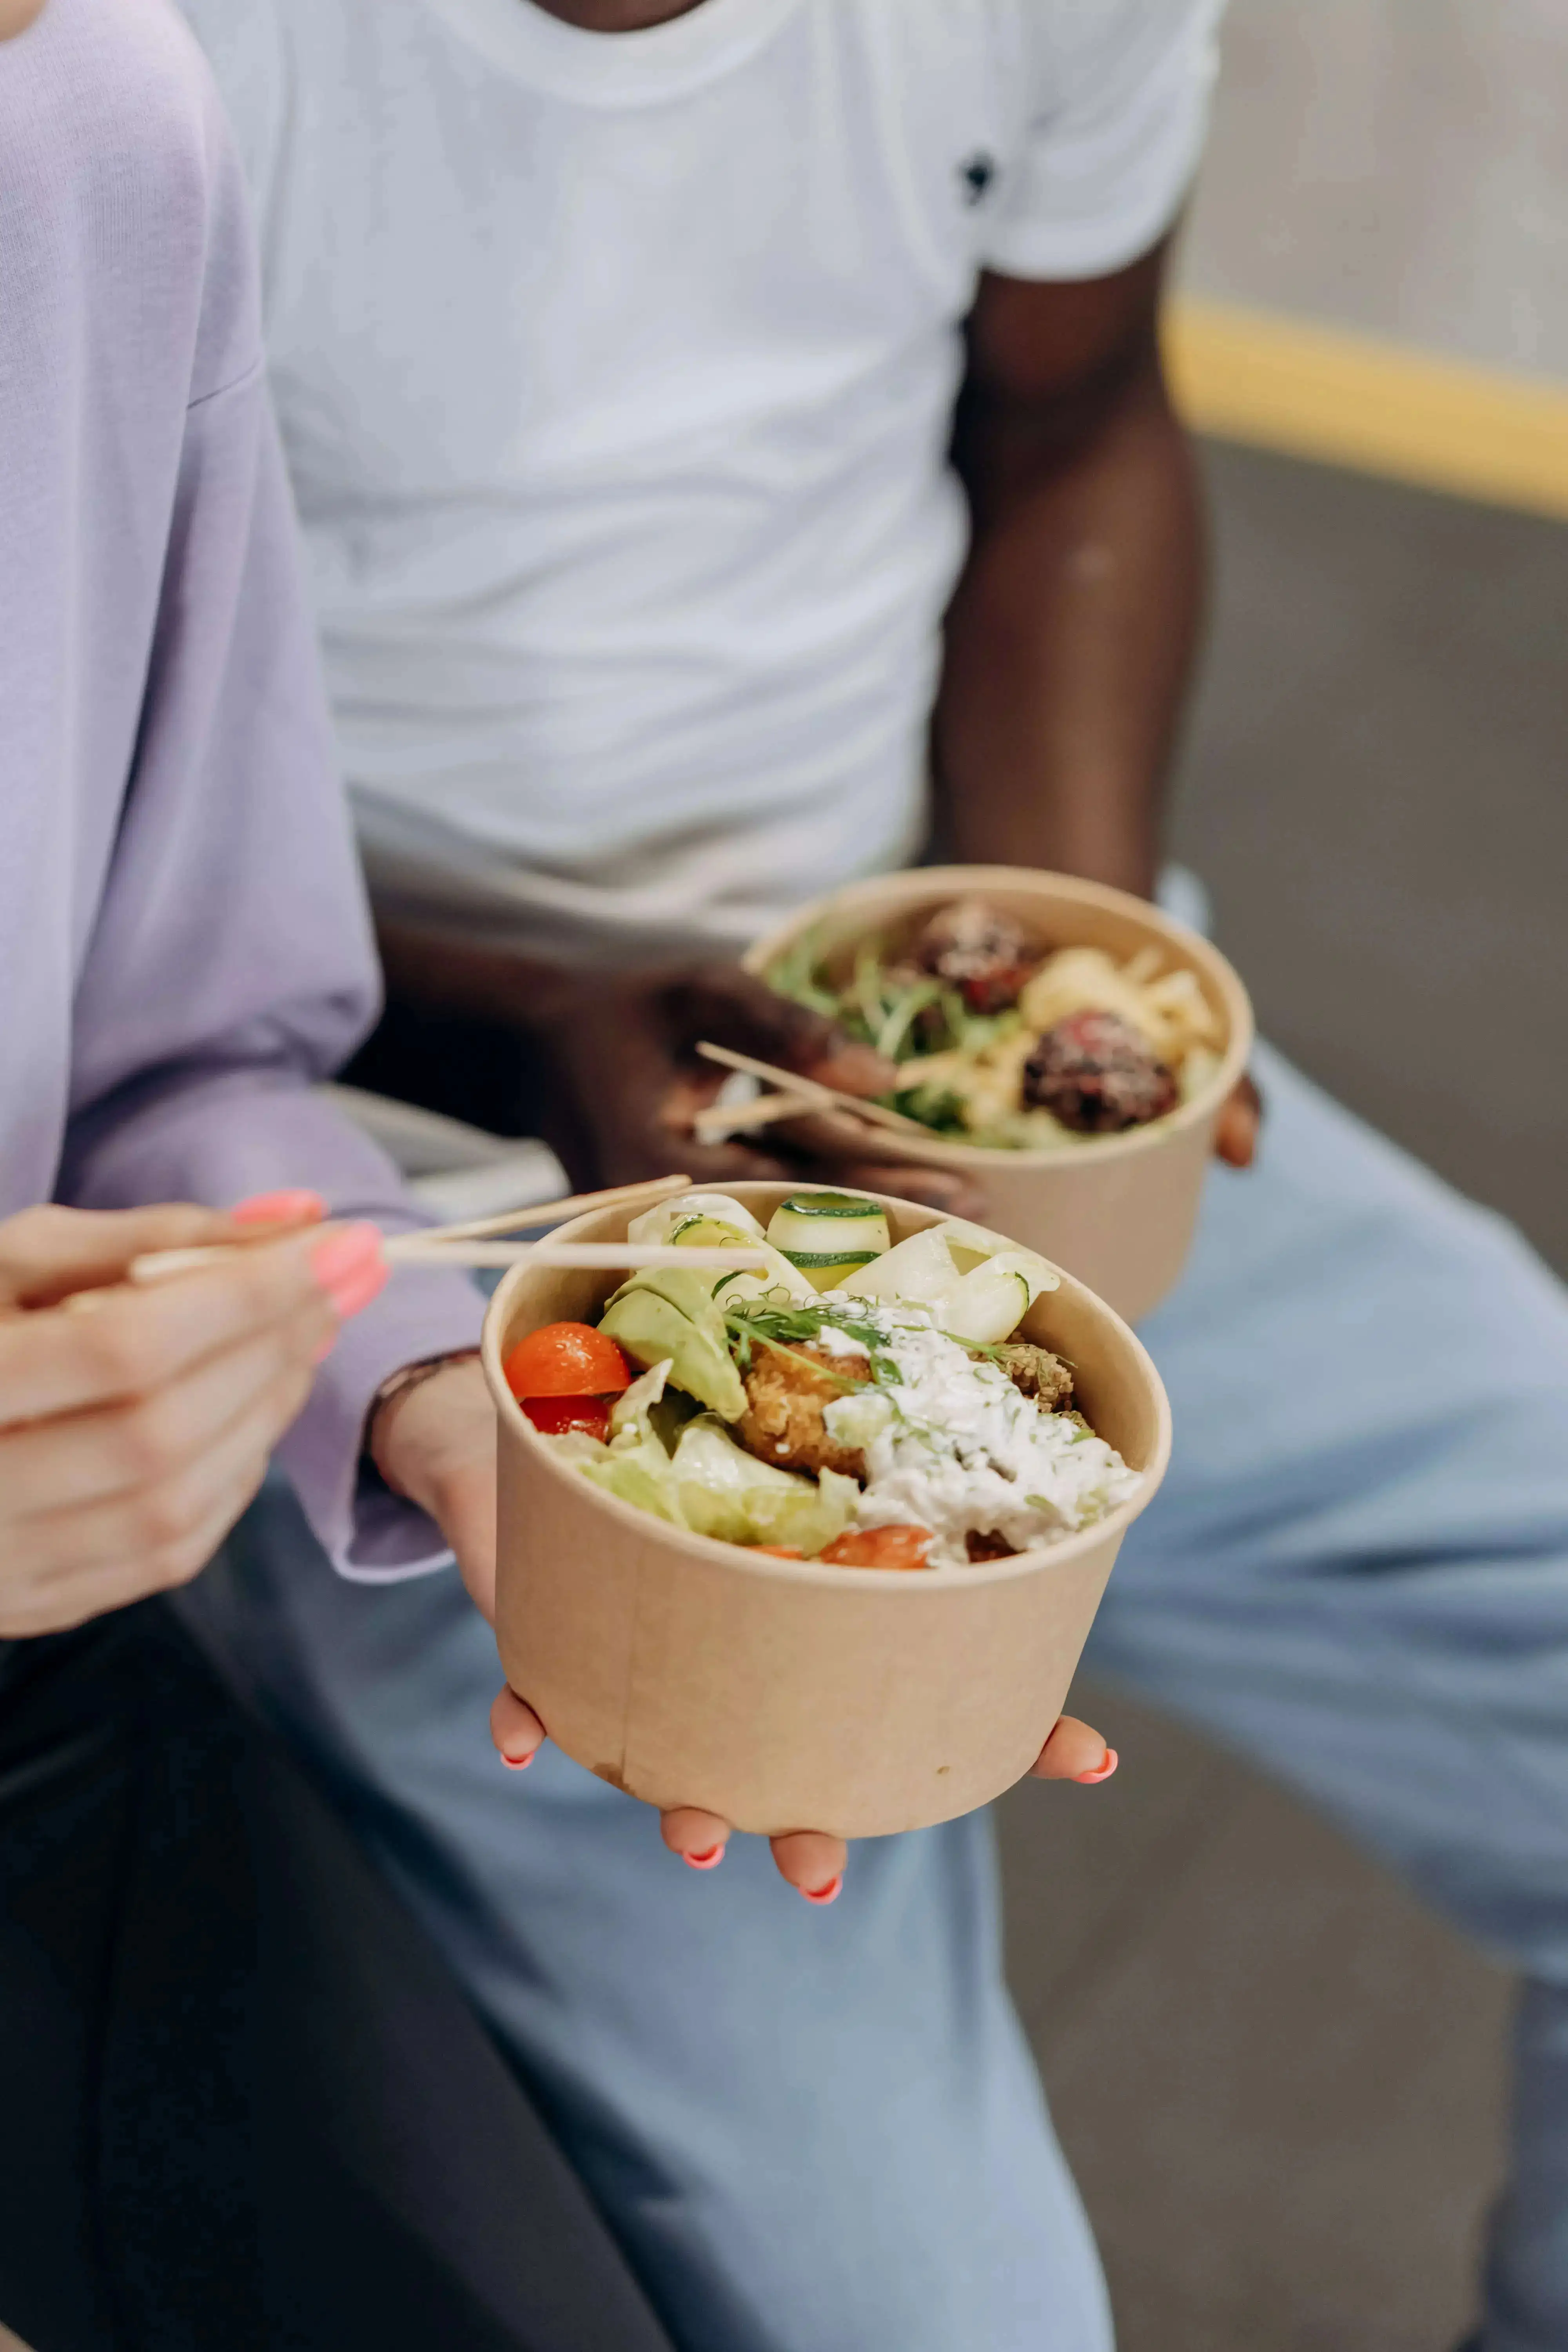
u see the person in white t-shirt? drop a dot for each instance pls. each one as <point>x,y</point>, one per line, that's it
<point>615,376</point>
<point>621,347</point>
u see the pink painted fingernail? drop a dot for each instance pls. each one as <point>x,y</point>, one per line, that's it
<point>709,1861</point>
<point>518,1763</point>
<point>288,1208</point>
<point>823,1896</point>
<point>351,1296</point>
<point>1100,1772</point>
<point>319,1355</point>
<point>350,1268</point>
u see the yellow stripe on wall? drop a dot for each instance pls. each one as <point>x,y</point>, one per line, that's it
<point>1380,408</point>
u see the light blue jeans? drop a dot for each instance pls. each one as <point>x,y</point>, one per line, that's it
<point>821,2132</point>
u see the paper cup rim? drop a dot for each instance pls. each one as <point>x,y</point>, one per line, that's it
<point>741,1558</point>
<point>896,893</point>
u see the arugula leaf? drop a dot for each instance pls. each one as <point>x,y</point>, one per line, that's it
<point>786,1329</point>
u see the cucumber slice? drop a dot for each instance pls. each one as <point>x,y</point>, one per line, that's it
<point>702,1232</point>
<point>971,1245</point>
<point>829,1236</point>
<point>993,1299</point>
<point>920,1270</point>
<point>656,1224</point>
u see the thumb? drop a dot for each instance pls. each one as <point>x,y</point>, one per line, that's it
<point>722,1004</point>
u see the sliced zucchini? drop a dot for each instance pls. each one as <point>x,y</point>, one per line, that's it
<point>921,1270</point>
<point>829,1236</point>
<point>698,1229</point>
<point>993,1299</point>
<point>971,1245</point>
<point>657,1224</point>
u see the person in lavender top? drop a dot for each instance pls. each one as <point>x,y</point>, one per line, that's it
<point>184,944</point>
<point>200,1979</point>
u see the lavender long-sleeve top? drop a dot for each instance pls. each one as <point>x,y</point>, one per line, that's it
<point>184,942</point>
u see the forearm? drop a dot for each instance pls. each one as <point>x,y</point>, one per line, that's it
<point>1071,638</point>
<point>482,978</point>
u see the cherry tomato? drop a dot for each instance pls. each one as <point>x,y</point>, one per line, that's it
<point>567,1359</point>
<point>899,1547</point>
<point>779,1552</point>
<point>554,1416</point>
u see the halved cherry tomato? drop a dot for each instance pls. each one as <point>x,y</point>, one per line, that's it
<point>779,1552</point>
<point>899,1547</point>
<point>554,1416</point>
<point>567,1359</point>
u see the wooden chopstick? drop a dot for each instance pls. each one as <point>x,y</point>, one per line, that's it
<point>714,1124</point>
<point>161,1266</point>
<point>652,1190</point>
<point>630,1254</point>
<point>409,1249</point>
<point>813,1093</point>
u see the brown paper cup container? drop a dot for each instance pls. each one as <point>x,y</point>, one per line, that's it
<point>787,1696</point>
<point>1117,1211</point>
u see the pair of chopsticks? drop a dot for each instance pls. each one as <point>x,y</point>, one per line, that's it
<point>798,1097</point>
<point>476,1241</point>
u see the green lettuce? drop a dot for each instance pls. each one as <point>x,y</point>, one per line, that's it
<point>725,1492</point>
<point>667,1315</point>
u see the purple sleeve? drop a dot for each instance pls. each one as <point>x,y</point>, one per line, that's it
<point>231,962</point>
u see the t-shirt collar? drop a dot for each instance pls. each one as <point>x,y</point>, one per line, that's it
<point>620,69</point>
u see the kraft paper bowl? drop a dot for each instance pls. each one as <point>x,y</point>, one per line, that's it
<point>787,1695</point>
<point>1118,1211</point>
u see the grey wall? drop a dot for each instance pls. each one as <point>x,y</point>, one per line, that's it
<point>1399,166</point>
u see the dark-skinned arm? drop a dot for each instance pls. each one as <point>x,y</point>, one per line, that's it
<point>1072,635</point>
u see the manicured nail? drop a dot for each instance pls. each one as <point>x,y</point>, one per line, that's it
<point>353,1293</point>
<point>824,1896</point>
<point>709,1861</point>
<point>1102,1772</point>
<point>518,1763</point>
<point>293,1208</point>
<point>350,1268</point>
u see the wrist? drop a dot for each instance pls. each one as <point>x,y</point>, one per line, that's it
<point>388,1412</point>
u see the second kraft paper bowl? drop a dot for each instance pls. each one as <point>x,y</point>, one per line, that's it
<point>1117,1211</point>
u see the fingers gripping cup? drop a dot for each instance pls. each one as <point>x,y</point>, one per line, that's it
<point>786,1693</point>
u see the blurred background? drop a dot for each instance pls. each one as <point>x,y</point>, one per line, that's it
<point>1279,2082</point>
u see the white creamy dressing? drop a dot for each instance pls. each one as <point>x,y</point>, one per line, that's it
<point>953,1444</point>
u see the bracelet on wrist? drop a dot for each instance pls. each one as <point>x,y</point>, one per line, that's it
<point>402,1382</point>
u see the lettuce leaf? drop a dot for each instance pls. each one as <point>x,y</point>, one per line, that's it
<point>726,1492</point>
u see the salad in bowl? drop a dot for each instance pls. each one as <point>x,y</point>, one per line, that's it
<point>857,1401</point>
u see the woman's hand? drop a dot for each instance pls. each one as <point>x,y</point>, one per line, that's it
<point>134,1436</point>
<point>813,1863</point>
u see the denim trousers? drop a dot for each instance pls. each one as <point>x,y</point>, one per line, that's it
<point>822,2132</point>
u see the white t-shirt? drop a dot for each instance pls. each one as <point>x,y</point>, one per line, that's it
<point>616,373</point>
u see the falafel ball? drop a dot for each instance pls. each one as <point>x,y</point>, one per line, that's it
<point>1037,1373</point>
<point>1095,1075</point>
<point>979,949</point>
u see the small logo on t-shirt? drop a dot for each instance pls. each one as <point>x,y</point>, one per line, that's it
<point>977,176</point>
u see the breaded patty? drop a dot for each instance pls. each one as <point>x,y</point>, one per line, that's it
<point>784,1399</point>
